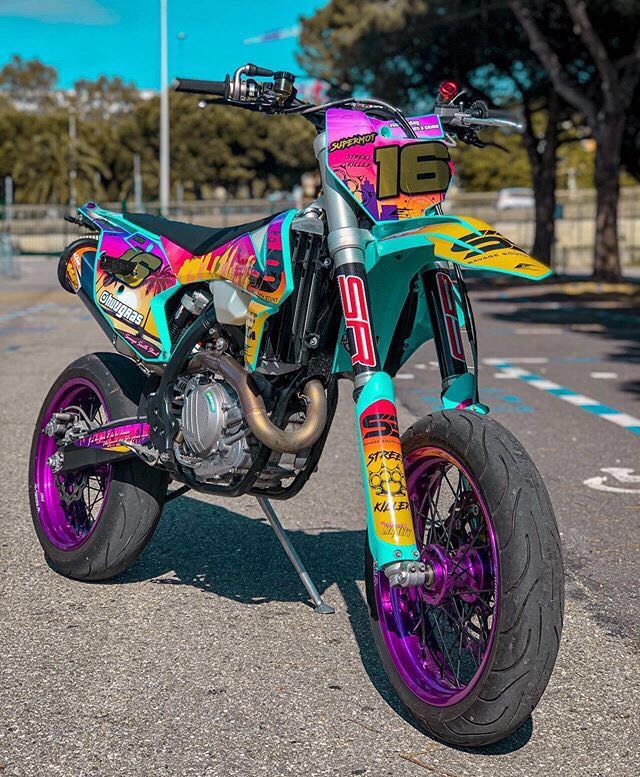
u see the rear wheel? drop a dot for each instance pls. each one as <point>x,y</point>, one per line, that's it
<point>93,523</point>
<point>471,653</point>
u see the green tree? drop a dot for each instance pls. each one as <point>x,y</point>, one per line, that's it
<point>591,52</point>
<point>28,82</point>
<point>427,41</point>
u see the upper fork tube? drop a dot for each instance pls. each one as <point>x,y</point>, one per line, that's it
<point>389,519</point>
<point>345,241</point>
<point>439,286</point>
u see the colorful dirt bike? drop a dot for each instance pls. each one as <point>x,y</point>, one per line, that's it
<point>232,341</point>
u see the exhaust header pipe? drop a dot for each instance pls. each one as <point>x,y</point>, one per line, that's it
<point>254,409</point>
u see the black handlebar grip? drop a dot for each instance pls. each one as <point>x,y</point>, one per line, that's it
<point>195,86</point>
<point>254,70</point>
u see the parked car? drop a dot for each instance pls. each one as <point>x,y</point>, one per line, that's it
<point>518,197</point>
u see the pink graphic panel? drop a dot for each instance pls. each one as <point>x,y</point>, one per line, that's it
<point>372,160</point>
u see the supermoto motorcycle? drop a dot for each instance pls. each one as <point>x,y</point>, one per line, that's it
<point>231,342</point>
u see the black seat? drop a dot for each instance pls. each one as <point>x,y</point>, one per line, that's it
<point>193,238</point>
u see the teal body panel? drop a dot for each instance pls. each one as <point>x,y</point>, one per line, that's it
<point>256,263</point>
<point>397,252</point>
<point>390,275</point>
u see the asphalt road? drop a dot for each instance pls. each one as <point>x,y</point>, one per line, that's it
<point>203,658</point>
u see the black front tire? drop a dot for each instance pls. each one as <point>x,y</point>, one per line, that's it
<point>531,583</point>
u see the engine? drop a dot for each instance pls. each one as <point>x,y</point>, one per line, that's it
<point>214,433</point>
<point>216,442</point>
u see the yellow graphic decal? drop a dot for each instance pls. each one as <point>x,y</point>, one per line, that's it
<point>74,264</point>
<point>476,244</point>
<point>257,315</point>
<point>385,474</point>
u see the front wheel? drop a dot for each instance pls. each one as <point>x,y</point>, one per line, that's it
<point>471,653</point>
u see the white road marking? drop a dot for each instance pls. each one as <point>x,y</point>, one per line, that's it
<point>598,483</point>
<point>541,383</point>
<point>522,360</point>
<point>586,403</point>
<point>603,375</point>
<point>510,373</point>
<point>420,366</point>
<point>25,311</point>
<point>622,419</point>
<point>579,399</point>
<point>621,474</point>
<point>405,376</point>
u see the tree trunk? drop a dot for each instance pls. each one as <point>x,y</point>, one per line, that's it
<point>543,163</point>
<point>609,134</point>
<point>545,187</point>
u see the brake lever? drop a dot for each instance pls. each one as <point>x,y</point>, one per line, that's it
<point>470,137</point>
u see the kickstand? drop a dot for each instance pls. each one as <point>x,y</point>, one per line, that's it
<point>320,605</point>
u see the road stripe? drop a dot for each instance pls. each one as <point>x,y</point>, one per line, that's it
<point>25,311</point>
<point>628,422</point>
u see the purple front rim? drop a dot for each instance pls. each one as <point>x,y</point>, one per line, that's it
<point>70,506</point>
<point>440,637</point>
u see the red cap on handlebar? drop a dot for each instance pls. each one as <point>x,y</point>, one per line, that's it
<point>448,90</point>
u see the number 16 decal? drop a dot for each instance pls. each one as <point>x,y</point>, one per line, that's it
<point>356,315</point>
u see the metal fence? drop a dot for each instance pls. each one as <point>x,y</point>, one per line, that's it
<point>575,223</point>
<point>41,229</point>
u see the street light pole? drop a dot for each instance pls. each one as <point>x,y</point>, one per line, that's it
<point>73,172</point>
<point>164,113</point>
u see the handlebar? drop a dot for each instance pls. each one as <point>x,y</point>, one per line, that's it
<point>195,86</point>
<point>279,96</point>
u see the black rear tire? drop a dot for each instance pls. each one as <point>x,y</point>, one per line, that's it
<point>531,583</point>
<point>136,491</point>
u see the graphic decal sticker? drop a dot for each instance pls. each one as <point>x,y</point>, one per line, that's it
<point>138,268</point>
<point>257,314</point>
<point>357,319</point>
<point>385,473</point>
<point>143,264</point>
<point>391,176</point>
<point>126,299</point>
<point>73,267</point>
<point>481,249</point>
<point>119,309</point>
<point>239,263</point>
<point>448,305</point>
<point>113,439</point>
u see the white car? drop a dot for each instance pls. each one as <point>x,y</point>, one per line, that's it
<point>518,197</point>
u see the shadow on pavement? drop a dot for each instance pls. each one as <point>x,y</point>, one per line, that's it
<point>604,314</point>
<point>226,553</point>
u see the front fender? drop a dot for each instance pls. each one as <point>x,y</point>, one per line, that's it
<point>468,242</point>
<point>399,252</point>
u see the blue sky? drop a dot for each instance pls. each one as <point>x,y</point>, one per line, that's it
<point>87,38</point>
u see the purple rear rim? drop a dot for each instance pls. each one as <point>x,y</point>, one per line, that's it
<point>440,637</point>
<point>70,506</point>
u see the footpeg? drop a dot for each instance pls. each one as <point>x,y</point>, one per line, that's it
<point>403,574</point>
